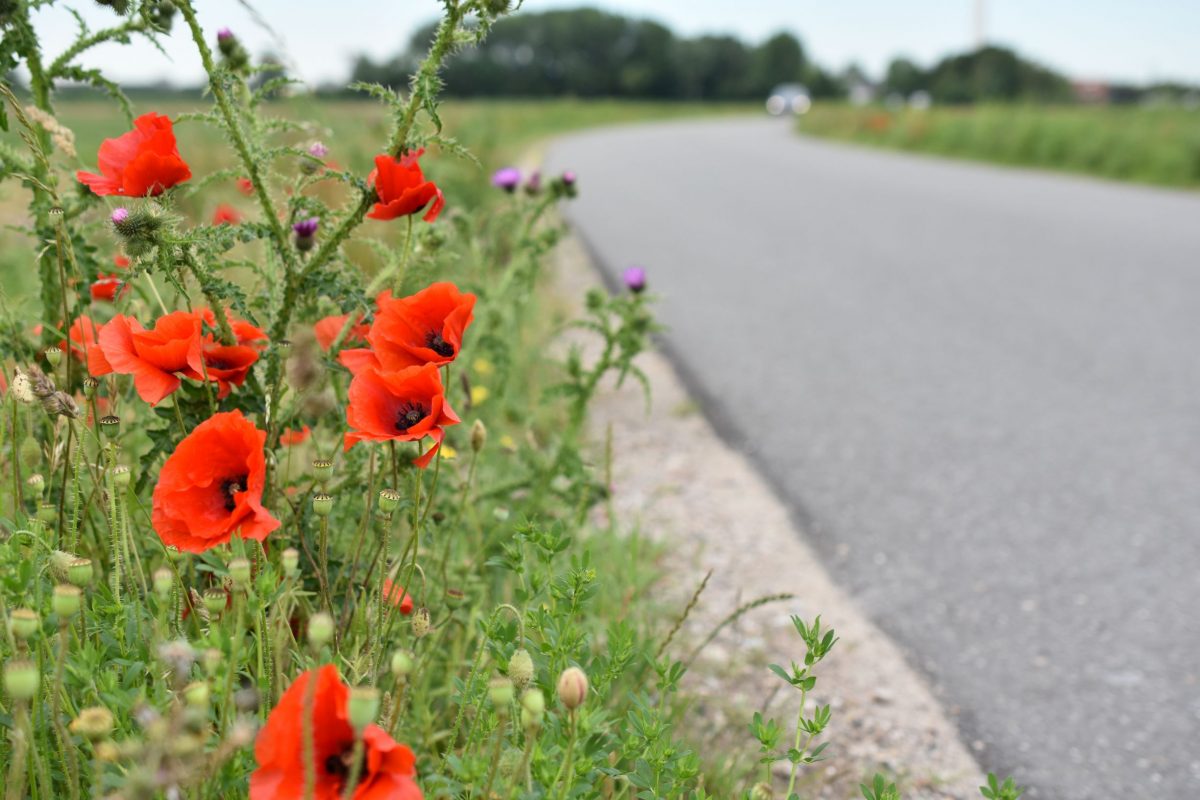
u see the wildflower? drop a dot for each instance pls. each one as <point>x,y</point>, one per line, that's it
<point>533,185</point>
<point>226,215</point>
<point>572,688</point>
<point>306,233</point>
<point>318,150</point>
<point>388,769</point>
<point>120,261</point>
<point>507,178</point>
<point>211,487</point>
<point>424,328</point>
<point>228,364</point>
<point>406,406</point>
<point>143,162</point>
<point>292,437</point>
<point>152,357</point>
<point>635,279</point>
<point>119,216</point>
<point>479,395</point>
<point>568,178</point>
<point>245,186</point>
<point>394,593</point>
<point>327,330</point>
<point>105,288</point>
<point>402,188</point>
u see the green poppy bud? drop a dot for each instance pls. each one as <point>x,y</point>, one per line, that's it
<point>21,680</point>
<point>24,623</point>
<point>500,691</point>
<point>67,600</point>
<point>402,664</point>
<point>362,706</point>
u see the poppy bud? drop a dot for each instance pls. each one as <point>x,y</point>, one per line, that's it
<point>164,581</point>
<point>53,356</point>
<point>635,279</point>
<point>110,426</point>
<point>196,694</point>
<point>322,505</point>
<point>90,385</point>
<point>21,679</point>
<point>93,723</point>
<point>66,601</point>
<point>420,622</point>
<point>36,483</point>
<point>215,601</point>
<point>478,435</point>
<point>239,570</point>
<point>322,470</point>
<point>500,690</point>
<point>24,623</point>
<point>520,667</point>
<point>389,501</point>
<point>572,688</point>
<point>47,512</point>
<point>320,629</point>
<point>80,572</point>
<point>402,664</point>
<point>291,562</point>
<point>121,476</point>
<point>363,706</point>
<point>533,707</point>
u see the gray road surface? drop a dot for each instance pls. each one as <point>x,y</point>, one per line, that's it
<point>979,390</point>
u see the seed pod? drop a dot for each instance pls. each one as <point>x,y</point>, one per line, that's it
<point>24,623</point>
<point>500,690</point>
<point>47,512</point>
<point>94,723</point>
<point>533,708</point>
<point>239,570</point>
<point>21,680</point>
<point>290,559</point>
<point>80,572</point>
<point>402,664</point>
<point>478,435</point>
<point>322,505</point>
<point>322,470</point>
<point>53,356</point>
<point>110,426</point>
<point>36,483</point>
<point>320,629</point>
<point>362,706</point>
<point>389,501</point>
<point>66,601</point>
<point>121,476</point>
<point>420,622</point>
<point>164,581</point>
<point>215,601</point>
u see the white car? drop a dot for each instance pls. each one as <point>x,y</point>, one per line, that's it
<point>788,98</point>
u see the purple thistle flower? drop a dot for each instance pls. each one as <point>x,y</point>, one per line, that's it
<point>318,150</point>
<point>534,184</point>
<point>507,178</point>
<point>635,279</point>
<point>224,35</point>
<point>307,228</point>
<point>119,215</point>
<point>568,178</point>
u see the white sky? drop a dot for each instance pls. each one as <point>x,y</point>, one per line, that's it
<point>1132,40</point>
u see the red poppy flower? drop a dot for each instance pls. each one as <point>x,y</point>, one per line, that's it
<point>152,357</point>
<point>394,593</point>
<point>404,406</point>
<point>388,768</point>
<point>327,330</point>
<point>121,262</point>
<point>291,436</point>
<point>245,186</point>
<point>211,486</point>
<point>105,288</point>
<point>424,328</point>
<point>143,162</point>
<point>402,188</point>
<point>85,345</point>
<point>226,215</point>
<point>228,365</point>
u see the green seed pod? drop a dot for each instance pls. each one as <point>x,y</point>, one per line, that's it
<point>520,668</point>
<point>110,426</point>
<point>320,629</point>
<point>67,600</point>
<point>80,572</point>
<point>47,512</point>
<point>164,582</point>
<point>322,505</point>
<point>500,691</point>
<point>478,435</point>
<point>363,706</point>
<point>21,680</point>
<point>239,570</point>
<point>402,664</point>
<point>121,476</point>
<point>90,385</point>
<point>53,356</point>
<point>455,598</point>
<point>36,483</point>
<point>24,623</point>
<point>196,694</point>
<point>533,708</point>
<point>290,559</point>
<point>322,470</point>
<point>389,501</point>
<point>215,601</point>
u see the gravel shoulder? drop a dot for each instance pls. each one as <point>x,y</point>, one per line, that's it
<point>679,483</point>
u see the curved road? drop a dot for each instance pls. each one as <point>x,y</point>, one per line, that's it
<point>978,389</point>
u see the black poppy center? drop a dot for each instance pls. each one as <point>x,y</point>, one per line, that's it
<point>216,363</point>
<point>337,765</point>
<point>408,415</point>
<point>437,344</point>
<point>230,487</point>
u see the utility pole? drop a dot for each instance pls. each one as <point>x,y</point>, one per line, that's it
<point>980,24</point>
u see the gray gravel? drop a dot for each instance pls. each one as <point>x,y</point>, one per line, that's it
<point>977,389</point>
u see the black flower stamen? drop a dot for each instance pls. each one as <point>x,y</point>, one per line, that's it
<point>437,344</point>
<point>409,415</point>
<point>231,487</point>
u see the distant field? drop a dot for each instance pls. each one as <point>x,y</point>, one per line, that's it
<point>1145,145</point>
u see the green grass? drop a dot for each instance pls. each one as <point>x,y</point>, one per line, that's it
<point>1145,145</point>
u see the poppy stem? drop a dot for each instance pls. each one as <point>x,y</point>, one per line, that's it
<point>398,281</point>
<point>355,766</point>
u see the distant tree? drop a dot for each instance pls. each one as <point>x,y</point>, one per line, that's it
<point>904,77</point>
<point>780,59</point>
<point>714,68</point>
<point>993,74</point>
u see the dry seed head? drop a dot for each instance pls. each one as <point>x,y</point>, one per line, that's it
<point>22,388</point>
<point>94,723</point>
<point>421,623</point>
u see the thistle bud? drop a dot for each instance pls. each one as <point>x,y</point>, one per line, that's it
<point>420,622</point>
<point>80,572</point>
<point>533,708</point>
<point>47,512</point>
<point>24,623</point>
<point>478,435</point>
<point>122,476</point>
<point>291,562</point>
<point>635,279</point>
<point>36,483</point>
<point>66,601</point>
<point>93,723</point>
<point>322,470</point>
<point>138,229</point>
<point>239,571</point>
<point>500,691</point>
<point>215,601</point>
<point>119,216</point>
<point>362,706</point>
<point>306,233</point>
<point>322,505</point>
<point>389,501</point>
<point>520,667</point>
<point>320,629</point>
<point>196,694</point>
<point>53,356</point>
<point>572,688</point>
<point>21,680</point>
<point>402,664</point>
<point>507,178</point>
<point>164,582</point>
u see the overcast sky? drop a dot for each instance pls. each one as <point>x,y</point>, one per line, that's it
<point>1128,40</point>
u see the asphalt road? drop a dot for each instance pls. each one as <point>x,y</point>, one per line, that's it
<point>978,389</point>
